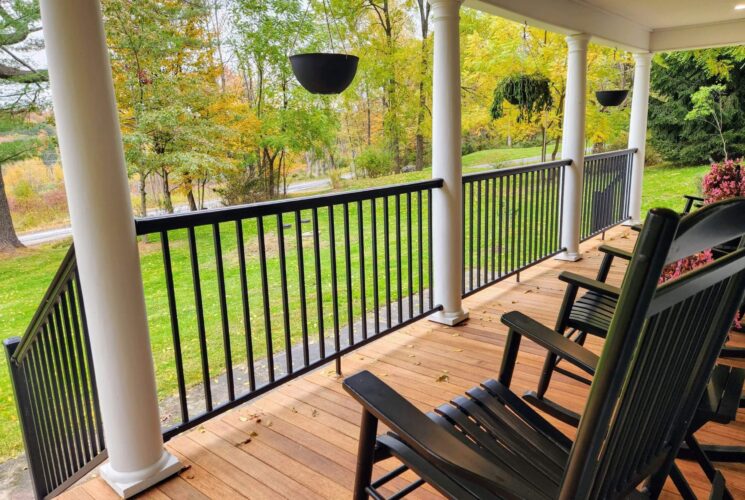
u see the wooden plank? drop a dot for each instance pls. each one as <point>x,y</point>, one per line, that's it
<point>300,440</point>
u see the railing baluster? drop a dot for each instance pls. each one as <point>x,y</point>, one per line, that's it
<point>265,299</point>
<point>399,262</point>
<point>486,231</point>
<point>348,275</point>
<point>285,296</point>
<point>301,286</point>
<point>334,286</point>
<point>478,235</point>
<point>245,305</point>
<point>195,276</point>
<point>319,283</point>
<point>410,254</point>
<point>374,229</point>
<point>175,334</point>
<point>224,322</point>
<point>387,262</point>
<point>363,287</point>
<point>420,244</point>
<point>429,229</point>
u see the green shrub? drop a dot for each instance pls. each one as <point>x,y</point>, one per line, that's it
<point>375,162</point>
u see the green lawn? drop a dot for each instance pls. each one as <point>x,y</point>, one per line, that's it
<point>26,274</point>
<point>495,156</point>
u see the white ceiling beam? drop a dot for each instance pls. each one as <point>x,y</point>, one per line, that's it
<point>698,36</point>
<point>565,16</point>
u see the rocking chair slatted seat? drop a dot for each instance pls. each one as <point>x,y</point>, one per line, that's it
<point>661,349</point>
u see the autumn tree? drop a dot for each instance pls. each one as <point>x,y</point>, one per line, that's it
<point>22,85</point>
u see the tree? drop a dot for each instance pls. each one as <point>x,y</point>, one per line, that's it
<point>709,103</point>
<point>424,11</point>
<point>22,86</point>
<point>166,77</point>
<point>681,137</point>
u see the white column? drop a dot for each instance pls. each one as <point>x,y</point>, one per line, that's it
<point>638,131</point>
<point>573,143</point>
<point>446,163</point>
<point>105,244</point>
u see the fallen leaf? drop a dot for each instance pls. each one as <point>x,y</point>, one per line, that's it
<point>443,378</point>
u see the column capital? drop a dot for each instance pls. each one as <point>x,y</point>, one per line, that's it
<point>578,42</point>
<point>442,9</point>
<point>643,58</point>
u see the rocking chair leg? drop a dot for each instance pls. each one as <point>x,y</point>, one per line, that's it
<point>548,370</point>
<point>365,455</point>
<point>701,457</point>
<point>682,484</point>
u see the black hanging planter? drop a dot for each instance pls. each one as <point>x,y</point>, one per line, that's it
<point>323,73</point>
<point>611,97</point>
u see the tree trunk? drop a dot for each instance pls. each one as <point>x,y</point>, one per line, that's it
<point>8,238</point>
<point>544,144</point>
<point>167,202</point>
<point>557,141</point>
<point>143,196</point>
<point>192,202</point>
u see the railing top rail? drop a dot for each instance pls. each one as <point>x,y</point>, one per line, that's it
<point>611,154</point>
<point>274,207</point>
<point>50,297</point>
<point>504,172</point>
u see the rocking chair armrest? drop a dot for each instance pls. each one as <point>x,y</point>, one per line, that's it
<point>432,442</point>
<point>549,339</point>
<point>693,198</point>
<point>615,252</point>
<point>580,281</point>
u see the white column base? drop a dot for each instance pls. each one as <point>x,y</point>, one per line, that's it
<point>449,319</point>
<point>568,256</point>
<point>632,222</point>
<point>128,484</point>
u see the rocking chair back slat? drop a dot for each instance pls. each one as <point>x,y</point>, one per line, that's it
<point>657,357</point>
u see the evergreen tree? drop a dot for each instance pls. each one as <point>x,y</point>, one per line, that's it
<point>679,131</point>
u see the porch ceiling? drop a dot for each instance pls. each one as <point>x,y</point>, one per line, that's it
<point>637,25</point>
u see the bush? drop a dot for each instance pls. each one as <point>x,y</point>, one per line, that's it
<point>375,162</point>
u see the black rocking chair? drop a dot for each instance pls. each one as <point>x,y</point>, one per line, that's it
<point>661,350</point>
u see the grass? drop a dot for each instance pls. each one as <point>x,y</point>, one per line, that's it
<point>26,274</point>
<point>496,156</point>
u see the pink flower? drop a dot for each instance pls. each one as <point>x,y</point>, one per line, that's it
<point>724,180</point>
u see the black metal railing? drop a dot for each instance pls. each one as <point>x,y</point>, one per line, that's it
<point>605,191</point>
<point>243,299</point>
<point>511,220</point>
<point>260,294</point>
<point>55,389</point>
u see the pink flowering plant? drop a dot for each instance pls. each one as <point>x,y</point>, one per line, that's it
<point>724,180</point>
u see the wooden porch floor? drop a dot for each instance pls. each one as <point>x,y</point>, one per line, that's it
<point>300,440</point>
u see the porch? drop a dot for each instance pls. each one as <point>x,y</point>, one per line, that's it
<point>260,301</point>
<point>300,440</point>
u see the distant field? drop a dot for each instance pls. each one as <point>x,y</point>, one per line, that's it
<point>26,274</point>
